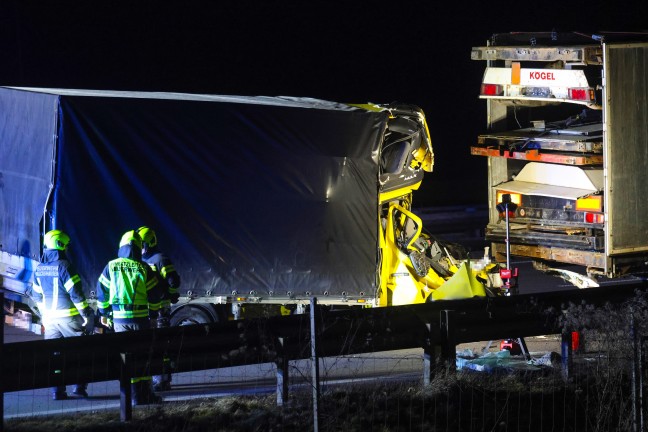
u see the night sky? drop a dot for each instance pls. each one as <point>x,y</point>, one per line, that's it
<point>413,52</point>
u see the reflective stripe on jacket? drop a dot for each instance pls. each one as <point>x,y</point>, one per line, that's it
<point>127,289</point>
<point>169,277</point>
<point>57,288</point>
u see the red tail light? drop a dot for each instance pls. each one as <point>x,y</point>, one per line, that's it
<point>580,94</point>
<point>594,218</point>
<point>492,90</point>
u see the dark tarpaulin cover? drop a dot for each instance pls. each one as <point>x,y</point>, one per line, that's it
<point>244,197</point>
<point>27,136</point>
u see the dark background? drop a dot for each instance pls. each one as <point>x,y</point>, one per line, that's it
<point>414,52</point>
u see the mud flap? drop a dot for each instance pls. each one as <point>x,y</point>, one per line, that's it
<point>461,285</point>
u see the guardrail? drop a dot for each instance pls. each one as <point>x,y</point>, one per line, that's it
<point>436,327</point>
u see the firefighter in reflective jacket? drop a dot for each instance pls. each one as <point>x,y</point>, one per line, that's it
<point>58,292</point>
<point>127,292</point>
<point>170,283</point>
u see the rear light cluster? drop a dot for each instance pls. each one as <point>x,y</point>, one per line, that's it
<point>492,90</point>
<point>594,218</point>
<point>587,217</point>
<point>588,209</point>
<point>582,94</point>
<point>575,94</point>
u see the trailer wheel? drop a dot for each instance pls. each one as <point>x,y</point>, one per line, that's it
<point>193,314</point>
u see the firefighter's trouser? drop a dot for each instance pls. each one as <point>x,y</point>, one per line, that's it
<point>141,386</point>
<point>63,327</point>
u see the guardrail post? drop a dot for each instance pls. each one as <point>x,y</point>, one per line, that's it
<point>282,374</point>
<point>566,353</point>
<point>125,402</point>
<point>315,362</point>
<point>448,340</point>
<point>431,352</point>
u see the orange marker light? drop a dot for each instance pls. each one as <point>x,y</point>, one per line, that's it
<point>515,73</point>
<point>590,203</point>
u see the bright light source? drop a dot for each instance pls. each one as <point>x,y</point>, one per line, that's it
<point>515,197</point>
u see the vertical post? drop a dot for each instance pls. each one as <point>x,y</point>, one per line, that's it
<point>314,363</point>
<point>508,237</point>
<point>566,353</point>
<point>282,374</point>
<point>125,403</point>
<point>448,340</point>
<point>431,354</point>
<point>637,376</point>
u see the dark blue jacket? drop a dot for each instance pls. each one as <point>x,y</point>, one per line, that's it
<point>57,287</point>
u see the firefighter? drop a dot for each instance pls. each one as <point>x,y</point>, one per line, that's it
<point>127,292</point>
<point>170,283</point>
<point>58,292</point>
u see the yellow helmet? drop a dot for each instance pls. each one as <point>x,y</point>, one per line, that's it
<point>131,238</point>
<point>56,239</point>
<point>148,236</point>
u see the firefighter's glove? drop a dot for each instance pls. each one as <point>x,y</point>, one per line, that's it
<point>173,298</point>
<point>88,322</point>
<point>106,321</point>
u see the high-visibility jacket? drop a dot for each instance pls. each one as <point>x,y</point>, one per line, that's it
<point>168,276</point>
<point>127,288</point>
<point>57,288</point>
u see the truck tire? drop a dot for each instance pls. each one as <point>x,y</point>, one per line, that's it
<point>194,314</point>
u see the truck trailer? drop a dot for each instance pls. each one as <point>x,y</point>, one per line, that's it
<point>259,201</point>
<point>567,150</point>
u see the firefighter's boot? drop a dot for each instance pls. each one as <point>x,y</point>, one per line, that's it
<point>163,382</point>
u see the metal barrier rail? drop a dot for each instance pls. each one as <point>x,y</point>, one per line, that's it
<point>436,327</point>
